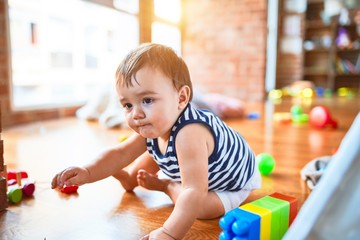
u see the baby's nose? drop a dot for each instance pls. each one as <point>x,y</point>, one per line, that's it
<point>138,113</point>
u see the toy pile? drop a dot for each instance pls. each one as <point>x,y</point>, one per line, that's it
<point>266,218</point>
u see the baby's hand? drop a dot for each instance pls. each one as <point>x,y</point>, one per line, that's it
<point>159,233</point>
<point>71,176</point>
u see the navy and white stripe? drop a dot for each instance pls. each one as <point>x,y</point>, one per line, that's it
<point>232,162</point>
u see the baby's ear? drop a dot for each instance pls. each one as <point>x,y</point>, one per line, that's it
<point>184,96</point>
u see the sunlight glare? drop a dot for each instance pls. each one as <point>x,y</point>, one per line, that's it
<point>168,9</point>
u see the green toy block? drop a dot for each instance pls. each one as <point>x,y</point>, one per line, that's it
<point>279,217</point>
<point>265,222</point>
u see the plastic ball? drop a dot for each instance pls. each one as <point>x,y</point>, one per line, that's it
<point>307,93</point>
<point>275,94</point>
<point>328,92</point>
<point>296,110</point>
<point>300,118</point>
<point>266,163</point>
<point>320,117</point>
<point>343,92</point>
<point>320,91</point>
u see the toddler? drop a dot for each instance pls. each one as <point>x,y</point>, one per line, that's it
<point>210,168</point>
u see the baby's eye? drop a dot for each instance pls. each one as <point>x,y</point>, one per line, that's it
<point>148,100</point>
<point>127,106</point>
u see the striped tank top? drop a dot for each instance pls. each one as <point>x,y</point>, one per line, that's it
<point>231,164</point>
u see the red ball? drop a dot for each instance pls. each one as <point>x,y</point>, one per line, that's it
<point>320,117</point>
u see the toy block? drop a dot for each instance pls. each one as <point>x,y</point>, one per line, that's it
<point>293,204</point>
<point>240,224</point>
<point>3,195</point>
<point>280,215</point>
<point>265,218</point>
<point>265,222</point>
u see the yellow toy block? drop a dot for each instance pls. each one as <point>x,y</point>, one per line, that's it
<point>265,222</point>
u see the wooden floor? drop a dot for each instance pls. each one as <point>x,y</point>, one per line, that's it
<point>103,210</point>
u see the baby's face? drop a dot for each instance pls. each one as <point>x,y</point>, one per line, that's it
<point>151,104</point>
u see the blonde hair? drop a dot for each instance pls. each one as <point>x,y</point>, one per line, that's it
<point>156,56</point>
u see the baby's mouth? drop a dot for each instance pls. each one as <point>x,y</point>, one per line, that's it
<point>142,126</point>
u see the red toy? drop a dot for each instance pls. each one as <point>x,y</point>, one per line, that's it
<point>17,187</point>
<point>28,189</point>
<point>69,189</point>
<point>320,117</point>
<point>14,175</point>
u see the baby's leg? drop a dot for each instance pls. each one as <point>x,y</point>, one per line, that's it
<point>128,178</point>
<point>215,204</point>
<point>212,207</point>
<point>220,202</point>
<point>152,182</point>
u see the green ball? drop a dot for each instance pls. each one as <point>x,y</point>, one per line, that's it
<point>15,195</point>
<point>266,163</point>
<point>300,118</point>
<point>296,110</point>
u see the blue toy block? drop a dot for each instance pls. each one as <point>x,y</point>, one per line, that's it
<point>226,235</point>
<point>240,224</point>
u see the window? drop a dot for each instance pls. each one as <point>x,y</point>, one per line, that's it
<point>63,51</point>
<point>166,27</point>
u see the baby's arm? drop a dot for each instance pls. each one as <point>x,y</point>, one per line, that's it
<point>194,144</point>
<point>105,165</point>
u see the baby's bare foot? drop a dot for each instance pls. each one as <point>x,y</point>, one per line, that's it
<point>126,180</point>
<point>151,182</point>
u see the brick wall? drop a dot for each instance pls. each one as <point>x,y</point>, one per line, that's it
<point>224,45</point>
